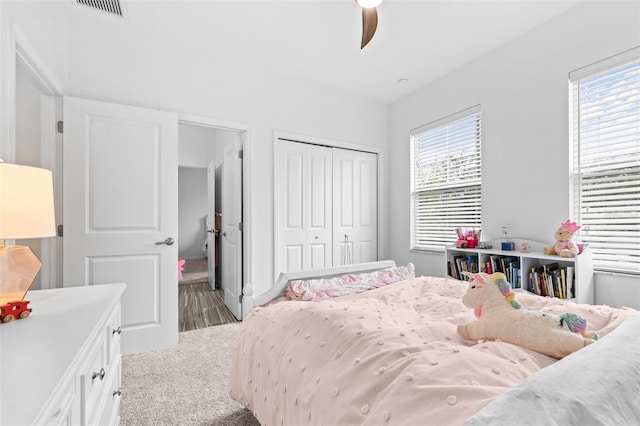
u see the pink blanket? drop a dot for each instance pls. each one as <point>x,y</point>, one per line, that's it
<point>390,355</point>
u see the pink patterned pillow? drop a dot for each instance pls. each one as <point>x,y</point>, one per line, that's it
<point>319,289</point>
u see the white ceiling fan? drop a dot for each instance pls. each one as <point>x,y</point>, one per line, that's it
<point>369,19</point>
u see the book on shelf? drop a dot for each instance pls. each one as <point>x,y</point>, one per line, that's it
<point>551,280</point>
<point>496,264</point>
<point>508,263</point>
<point>460,263</point>
<point>515,276</point>
<point>570,282</point>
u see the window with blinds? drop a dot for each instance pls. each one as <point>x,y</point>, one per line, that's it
<point>605,160</point>
<point>446,179</point>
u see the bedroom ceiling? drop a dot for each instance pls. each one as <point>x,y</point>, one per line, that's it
<point>314,42</point>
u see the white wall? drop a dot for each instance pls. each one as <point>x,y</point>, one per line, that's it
<point>28,133</point>
<point>197,146</point>
<point>522,88</point>
<point>192,209</point>
<point>216,89</point>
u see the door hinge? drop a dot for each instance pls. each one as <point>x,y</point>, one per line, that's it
<point>240,154</point>
<point>241,227</point>
<point>60,126</point>
<point>60,231</point>
<point>240,298</point>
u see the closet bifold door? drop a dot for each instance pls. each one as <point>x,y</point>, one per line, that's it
<point>303,207</point>
<point>355,207</point>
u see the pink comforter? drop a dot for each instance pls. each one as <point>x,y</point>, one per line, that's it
<point>387,356</point>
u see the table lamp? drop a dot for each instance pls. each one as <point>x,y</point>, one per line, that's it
<point>26,211</point>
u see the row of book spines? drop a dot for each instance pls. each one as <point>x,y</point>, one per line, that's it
<point>457,265</point>
<point>556,283</point>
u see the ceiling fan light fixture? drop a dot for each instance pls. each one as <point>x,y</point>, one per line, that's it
<point>369,3</point>
<point>369,19</point>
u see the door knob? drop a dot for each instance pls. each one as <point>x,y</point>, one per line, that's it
<point>168,241</point>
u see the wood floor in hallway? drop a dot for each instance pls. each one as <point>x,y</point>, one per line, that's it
<point>201,307</point>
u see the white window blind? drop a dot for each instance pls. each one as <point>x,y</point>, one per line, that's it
<point>605,160</point>
<point>446,179</point>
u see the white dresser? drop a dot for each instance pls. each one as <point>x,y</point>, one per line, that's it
<point>61,365</point>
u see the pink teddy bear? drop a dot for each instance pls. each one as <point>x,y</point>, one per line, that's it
<point>564,246</point>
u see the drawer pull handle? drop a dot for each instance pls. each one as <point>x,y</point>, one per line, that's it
<point>117,392</point>
<point>116,330</point>
<point>99,374</point>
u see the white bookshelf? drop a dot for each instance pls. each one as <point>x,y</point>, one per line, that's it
<point>581,264</point>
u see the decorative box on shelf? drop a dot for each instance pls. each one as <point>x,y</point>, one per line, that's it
<point>466,243</point>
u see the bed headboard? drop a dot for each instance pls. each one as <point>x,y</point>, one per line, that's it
<point>250,301</point>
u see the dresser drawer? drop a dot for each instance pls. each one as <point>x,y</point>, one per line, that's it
<point>64,408</point>
<point>113,331</point>
<point>93,377</point>
<point>110,412</point>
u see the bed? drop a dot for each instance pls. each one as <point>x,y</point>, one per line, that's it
<point>390,354</point>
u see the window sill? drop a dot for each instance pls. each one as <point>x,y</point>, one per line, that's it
<point>428,251</point>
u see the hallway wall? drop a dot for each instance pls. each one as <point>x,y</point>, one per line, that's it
<point>192,210</point>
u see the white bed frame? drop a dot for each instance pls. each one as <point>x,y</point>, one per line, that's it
<point>250,301</point>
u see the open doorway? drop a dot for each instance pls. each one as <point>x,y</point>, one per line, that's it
<point>210,251</point>
<point>36,144</point>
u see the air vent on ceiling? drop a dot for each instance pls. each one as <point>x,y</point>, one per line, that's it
<point>114,7</point>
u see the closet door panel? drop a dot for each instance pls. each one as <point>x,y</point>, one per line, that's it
<point>326,206</point>
<point>319,207</point>
<point>318,255</point>
<point>293,193</point>
<point>367,195</point>
<point>344,173</point>
<point>355,189</point>
<point>303,206</point>
<point>292,211</point>
<point>293,257</point>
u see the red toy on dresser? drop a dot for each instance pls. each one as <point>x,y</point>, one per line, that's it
<point>13,310</point>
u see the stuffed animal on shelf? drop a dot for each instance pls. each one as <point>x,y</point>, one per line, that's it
<point>501,317</point>
<point>564,246</point>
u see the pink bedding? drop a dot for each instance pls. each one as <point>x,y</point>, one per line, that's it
<point>315,290</point>
<point>390,355</point>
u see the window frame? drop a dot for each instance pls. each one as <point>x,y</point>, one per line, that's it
<point>606,67</point>
<point>468,185</point>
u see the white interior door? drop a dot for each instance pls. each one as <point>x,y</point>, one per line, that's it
<point>303,206</point>
<point>355,207</point>
<point>211,210</point>
<point>120,213</point>
<point>231,235</point>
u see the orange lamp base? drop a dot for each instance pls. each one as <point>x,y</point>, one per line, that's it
<point>19,266</point>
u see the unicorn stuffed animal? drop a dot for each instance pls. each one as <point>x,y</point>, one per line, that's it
<point>501,317</point>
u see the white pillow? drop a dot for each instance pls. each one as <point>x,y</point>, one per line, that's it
<point>597,385</point>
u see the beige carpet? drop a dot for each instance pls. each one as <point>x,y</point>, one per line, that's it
<point>184,385</point>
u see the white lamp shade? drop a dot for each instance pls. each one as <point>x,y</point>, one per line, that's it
<point>26,202</point>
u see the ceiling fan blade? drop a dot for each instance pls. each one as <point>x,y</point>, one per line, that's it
<point>369,25</point>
